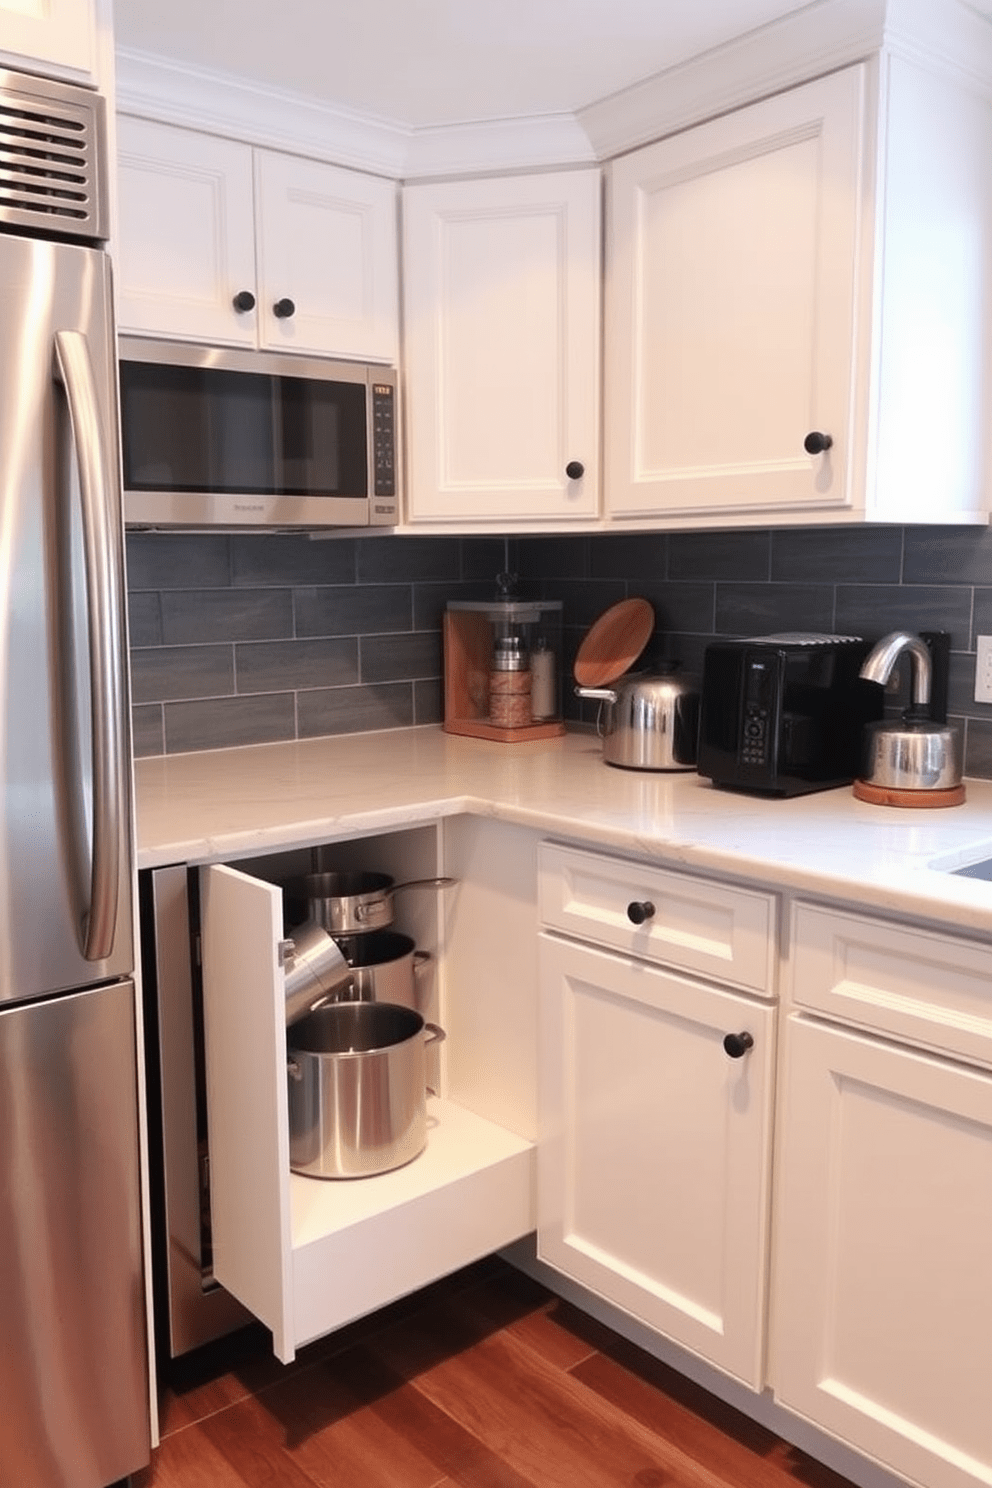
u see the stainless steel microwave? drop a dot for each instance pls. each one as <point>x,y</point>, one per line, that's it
<point>244,439</point>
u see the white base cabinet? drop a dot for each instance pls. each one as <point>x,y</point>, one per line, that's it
<point>306,1255</point>
<point>204,220</point>
<point>501,329</point>
<point>655,1134</point>
<point>653,1159</point>
<point>882,1305</point>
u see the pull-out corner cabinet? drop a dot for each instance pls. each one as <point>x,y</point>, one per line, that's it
<point>306,1255</point>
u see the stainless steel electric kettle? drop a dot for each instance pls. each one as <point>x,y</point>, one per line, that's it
<point>914,760</point>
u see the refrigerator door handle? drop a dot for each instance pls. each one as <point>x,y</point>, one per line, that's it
<point>74,369</point>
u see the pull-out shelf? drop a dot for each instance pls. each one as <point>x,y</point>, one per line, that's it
<point>306,1255</point>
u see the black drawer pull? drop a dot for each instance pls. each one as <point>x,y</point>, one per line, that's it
<point>737,1044</point>
<point>639,911</point>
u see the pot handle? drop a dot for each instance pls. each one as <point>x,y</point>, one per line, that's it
<point>437,1036</point>
<point>603,694</point>
<point>420,958</point>
<point>293,1069</point>
<point>423,883</point>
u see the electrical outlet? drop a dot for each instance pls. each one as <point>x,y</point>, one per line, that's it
<point>983,670</point>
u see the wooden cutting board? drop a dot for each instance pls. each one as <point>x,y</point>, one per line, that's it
<point>613,643</point>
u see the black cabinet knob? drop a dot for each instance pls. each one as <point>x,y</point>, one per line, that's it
<point>575,469</point>
<point>639,911</point>
<point>815,443</point>
<point>283,309</point>
<point>244,301</point>
<point>737,1044</point>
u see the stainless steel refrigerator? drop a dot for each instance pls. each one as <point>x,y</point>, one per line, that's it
<point>74,1409</point>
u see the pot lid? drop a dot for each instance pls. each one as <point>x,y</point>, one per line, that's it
<point>613,643</point>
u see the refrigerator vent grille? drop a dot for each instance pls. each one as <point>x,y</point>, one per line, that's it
<point>50,162</point>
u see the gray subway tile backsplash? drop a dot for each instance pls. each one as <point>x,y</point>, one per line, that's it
<point>191,615</point>
<point>144,615</point>
<point>174,672</point>
<point>148,729</point>
<point>354,609</point>
<point>251,638</point>
<point>284,666</point>
<point>948,555</point>
<point>869,554</point>
<point>166,560</point>
<point>872,610</point>
<point>292,559</point>
<point>761,609</point>
<point>219,723</point>
<point>354,710</point>
<point>400,658</point>
<point>719,555</point>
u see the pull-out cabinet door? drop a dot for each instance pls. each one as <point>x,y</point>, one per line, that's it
<point>303,1254</point>
<point>654,1153</point>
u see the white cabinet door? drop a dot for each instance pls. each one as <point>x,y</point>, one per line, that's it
<point>327,243</point>
<point>205,221</point>
<point>501,303</point>
<point>186,239</point>
<point>882,1302</point>
<point>52,36</point>
<point>653,1160</point>
<point>732,273</point>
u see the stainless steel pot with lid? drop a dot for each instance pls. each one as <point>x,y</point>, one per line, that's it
<point>648,720</point>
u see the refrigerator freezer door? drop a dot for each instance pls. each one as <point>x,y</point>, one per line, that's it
<point>65,873</point>
<point>73,1364</point>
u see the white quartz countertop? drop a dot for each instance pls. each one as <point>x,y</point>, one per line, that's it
<point>230,803</point>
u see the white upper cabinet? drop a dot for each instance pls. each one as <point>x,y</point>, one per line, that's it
<point>186,234</point>
<point>766,287</point>
<point>222,243</point>
<point>502,314</point>
<point>49,36</point>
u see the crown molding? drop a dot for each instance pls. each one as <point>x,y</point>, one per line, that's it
<point>817,38</point>
<point>217,104</point>
<point>820,37</point>
<point>951,38</point>
<point>547,141</point>
<point>197,98</point>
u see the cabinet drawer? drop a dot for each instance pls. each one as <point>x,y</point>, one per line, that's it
<point>930,989</point>
<point>711,929</point>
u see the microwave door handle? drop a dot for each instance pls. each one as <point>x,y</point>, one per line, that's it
<point>75,371</point>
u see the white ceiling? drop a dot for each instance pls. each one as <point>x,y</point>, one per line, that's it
<point>420,63</point>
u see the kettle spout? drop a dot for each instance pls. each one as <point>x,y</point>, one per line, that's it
<point>878,664</point>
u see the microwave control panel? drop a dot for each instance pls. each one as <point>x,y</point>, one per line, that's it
<point>383,453</point>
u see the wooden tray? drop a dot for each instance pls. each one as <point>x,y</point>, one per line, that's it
<point>613,643</point>
<point>892,795</point>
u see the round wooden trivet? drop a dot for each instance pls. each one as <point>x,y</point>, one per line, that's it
<point>891,795</point>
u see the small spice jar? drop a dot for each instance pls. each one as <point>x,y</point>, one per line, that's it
<point>509,684</point>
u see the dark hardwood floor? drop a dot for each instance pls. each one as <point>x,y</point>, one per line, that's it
<point>485,1380</point>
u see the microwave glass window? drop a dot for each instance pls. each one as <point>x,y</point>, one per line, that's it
<point>196,429</point>
<point>207,429</point>
<point>320,437</point>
